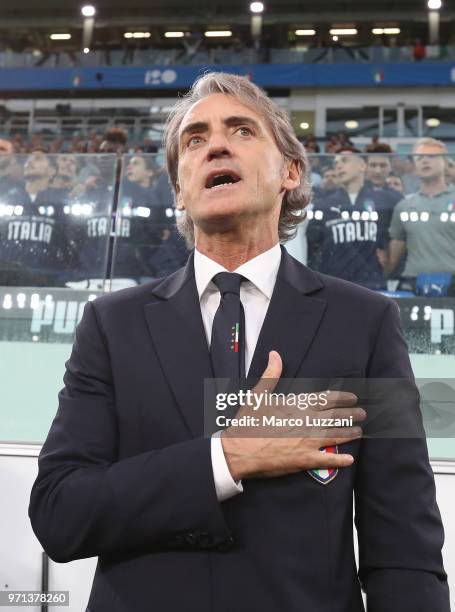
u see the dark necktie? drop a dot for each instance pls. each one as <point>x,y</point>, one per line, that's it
<point>227,346</point>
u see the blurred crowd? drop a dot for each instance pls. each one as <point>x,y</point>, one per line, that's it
<point>73,220</point>
<point>385,221</point>
<point>93,143</point>
<point>377,219</point>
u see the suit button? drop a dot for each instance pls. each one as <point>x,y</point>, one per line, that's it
<point>190,538</point>
<point>227,544</point>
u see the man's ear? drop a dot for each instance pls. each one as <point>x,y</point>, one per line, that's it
<point>178,198</point>
<point>291,175</point>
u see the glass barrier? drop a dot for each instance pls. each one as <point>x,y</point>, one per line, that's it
<point>55,225</point>
<point>147,244</point>
<point>70,223</point>
<point>55,218</point>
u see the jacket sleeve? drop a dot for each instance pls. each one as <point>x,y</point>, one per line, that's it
<point>87,502</point>
<point>398,522</point>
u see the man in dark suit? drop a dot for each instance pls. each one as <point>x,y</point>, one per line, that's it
<point>183,522</point>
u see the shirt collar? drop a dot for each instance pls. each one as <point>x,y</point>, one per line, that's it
<point>261,271</point>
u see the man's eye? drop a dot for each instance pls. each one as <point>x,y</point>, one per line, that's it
<point>194,140</point>
<point>245,131</point>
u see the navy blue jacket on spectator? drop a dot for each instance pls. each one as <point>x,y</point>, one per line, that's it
<point>35,245</point>
<point>343,237</point>
<point>89,221</point>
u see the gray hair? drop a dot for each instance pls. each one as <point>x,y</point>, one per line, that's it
<point>252,96</point>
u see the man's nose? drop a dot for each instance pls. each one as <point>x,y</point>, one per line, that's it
<point>218,146</point>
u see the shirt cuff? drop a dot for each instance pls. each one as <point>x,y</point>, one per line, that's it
<point>225,485</point>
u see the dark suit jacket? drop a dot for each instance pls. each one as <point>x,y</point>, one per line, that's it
<point>125,473</point>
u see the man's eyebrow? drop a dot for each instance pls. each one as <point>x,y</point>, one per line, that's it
<point>196,126</point>
<point>241,120</point>
<point>232,121</point>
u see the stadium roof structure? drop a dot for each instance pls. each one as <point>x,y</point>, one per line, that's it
<point>29,22</point>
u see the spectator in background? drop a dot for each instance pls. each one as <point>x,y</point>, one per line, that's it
<point>18,143</point>
<point>150,146</point>
<point>115,141</point>
<point>56,146</point>
<point>140,171</point>
<point>379,165</point>
<point>419,51</point>
<point>38,173</point>
<point>96,190</point>
<point>404,167</point>
<point>347,234</point>
<point>329,181</point>
<point>67,172</point>
<point>332,145</point>
<point>36,142</point>
<point>36,247</point>
<point>337,142</point>
<point>154,248</point>
<point>97,177</point>
<point>421,224</point>
<point>394,182</point>
<point>451,171</point>
<point>8,174</point>
<point>374,142</point>
<point>311,144</point>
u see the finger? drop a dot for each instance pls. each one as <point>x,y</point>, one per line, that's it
<point>274,366</point>
<point>332,460</point>
<point>357,414</point>
<point>339,398</point>
<point>271,374</point>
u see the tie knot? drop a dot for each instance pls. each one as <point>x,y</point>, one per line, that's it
<point>228,282</point>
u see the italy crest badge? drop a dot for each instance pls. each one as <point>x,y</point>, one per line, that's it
<point>324,475</point>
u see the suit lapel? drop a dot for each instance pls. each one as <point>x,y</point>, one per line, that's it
<point>292,319</point>
<point>175,324</point>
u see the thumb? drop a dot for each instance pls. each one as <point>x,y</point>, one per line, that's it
<point>271,374</point>
<point>274,366</point>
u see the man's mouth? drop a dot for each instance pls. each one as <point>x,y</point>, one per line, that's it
<point>221,179</point>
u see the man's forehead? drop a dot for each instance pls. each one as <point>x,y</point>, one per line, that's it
<point>348,156</point>
<point>217,105</point>
<point>378,159</point>
<point>429,150</point>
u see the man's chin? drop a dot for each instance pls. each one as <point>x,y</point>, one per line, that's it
<point>220,221</point>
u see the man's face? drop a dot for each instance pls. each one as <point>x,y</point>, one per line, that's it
<point>229,166</point>
<point>67,165</point>
<point>451,169</point>
<point>378,169</point>
<point>37,166</point>
<point>348,167</point>
<point>137,171</point>
<point>430,162</point>
<point>329,180</point>
<point>394,182</point>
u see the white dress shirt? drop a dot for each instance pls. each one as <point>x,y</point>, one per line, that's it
<point>255,295</point>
